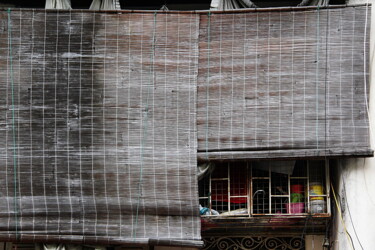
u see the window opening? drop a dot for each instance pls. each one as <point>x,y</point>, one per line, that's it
<point>266,188</point>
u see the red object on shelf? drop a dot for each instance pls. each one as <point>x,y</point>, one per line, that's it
<point>224,198</point>
<point>297,188</point>
<point>238,186</point>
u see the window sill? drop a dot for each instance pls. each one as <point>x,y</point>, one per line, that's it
<point>281,224</point>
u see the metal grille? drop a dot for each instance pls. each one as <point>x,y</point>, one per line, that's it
<point>254,243</point>
<point>266,188</point>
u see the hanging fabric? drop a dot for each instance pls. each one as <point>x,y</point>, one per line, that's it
<point>53,247</point>
<point>214,4</point>
<point>231,4</point>
<point>205,169</point>
<point>105,5</point>
<point>58,4</point>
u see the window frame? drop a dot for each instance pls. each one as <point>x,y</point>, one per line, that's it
<point>250,193</point>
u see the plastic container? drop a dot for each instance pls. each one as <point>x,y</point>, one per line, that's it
<point>295,208</point>
<point>295,197</point>
<point>318,206</point>
<point>316,188</point>
<point>297,189</point>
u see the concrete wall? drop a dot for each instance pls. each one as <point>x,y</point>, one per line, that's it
<point>314,242</point>
<point>354,180</point>
<point>356,193</point>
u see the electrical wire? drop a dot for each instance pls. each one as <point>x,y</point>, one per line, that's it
<point>350,237</point>
<point>351,220</point>
<point>10,54</point>
<point>342,219</point>
<point>327,234</point>
<point>305,227</point>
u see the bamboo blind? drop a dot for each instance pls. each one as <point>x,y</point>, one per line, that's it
<point>103,114</point>
<point>98,128</point>
<point>283,84</point>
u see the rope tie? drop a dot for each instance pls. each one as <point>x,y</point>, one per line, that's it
<point>145,128</point>
<point>325,86</point>
<point>208,76</point>
<point>10,53</point>
<point>317,76</point>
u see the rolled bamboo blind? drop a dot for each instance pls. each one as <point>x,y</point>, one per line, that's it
<point>279,84</point>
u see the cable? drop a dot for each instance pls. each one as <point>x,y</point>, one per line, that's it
<point>342,219</point>
<point>327,234</point>
<point>13,122</point>
<point>208,77</point>
<point>351,240</point>
<point>145,126</point>
<point>305,227</point>
<point>351,220</point>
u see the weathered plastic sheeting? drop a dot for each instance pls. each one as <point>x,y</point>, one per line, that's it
<point>98,135</point>
<point>283,84</point>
